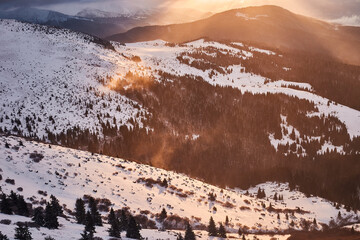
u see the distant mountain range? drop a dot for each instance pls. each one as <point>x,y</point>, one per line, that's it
<point>88,21</point>
<point>35,15</point>
<point>102,23</point>
<point>96,13</point>
<point>269,26</point>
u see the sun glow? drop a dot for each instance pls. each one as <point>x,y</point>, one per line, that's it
<point>216,6</point>
<point>137,77</point>
<point>205,5</point>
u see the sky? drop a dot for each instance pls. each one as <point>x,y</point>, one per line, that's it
<point>343,11</point>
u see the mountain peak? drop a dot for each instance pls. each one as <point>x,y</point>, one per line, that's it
<point>97,13</point>
<point>34,15</point>
<point>268,25</point>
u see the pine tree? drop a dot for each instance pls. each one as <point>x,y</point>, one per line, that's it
<point>212,196</point>
<point>163,214</point>
<point>89,223</point>
<point>260,193</point>
<point>212,228</point>
<point>133,229</point>
<point>275,197</point>
<point>314,222</point>
<point>292,224</point>
<point>114,230</point>
<point>112,216</point>
<point>22,233</point>
<point>164,183</point>
<point>51,221</point>
<point>22,207</point>
<point>87,236</point>
<point>189,233</point>
<point>281,197</point>
<point>13,198</point>
<point>123,221</point>
<point>80,211</point>
<point>3,237</point>
<point>95,212</point>
<point>179,237</point>
<point>5,205</point>
<point>227,221</point>
<point>222,231</point>
<point>89,230</point>
<point>38,217</point>
<point>56,205</point>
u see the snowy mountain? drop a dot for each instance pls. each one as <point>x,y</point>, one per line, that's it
<point>71,82</point>
<point>97,13</point>
<point>164,57</point>
<point>70,174</point>
<point>34,15</point>
<point>52,80</point>
<point>102,23</point>
<point>234,114</point>
<point>95,26</point>
<point>79,91</point>
<point>270,26</point>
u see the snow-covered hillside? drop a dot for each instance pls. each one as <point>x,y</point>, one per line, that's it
<point>72,231</point>
<point>160,55</point>
<point>69,174</point>
<point>54,80</point>
<point>49,80</point>
<point>35,15</point>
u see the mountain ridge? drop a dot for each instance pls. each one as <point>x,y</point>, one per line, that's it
<point>269,25</point>
<point>197,108</point>
<point>35,15</point>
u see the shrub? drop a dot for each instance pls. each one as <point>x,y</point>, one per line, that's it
<point>5,221</point>
<point>10,181</point>
<point>36,157</point>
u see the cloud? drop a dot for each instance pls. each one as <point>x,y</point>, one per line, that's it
<point>9,4</point>
<point>353,20</point>
<point>347,10</point>
<point>74,6</point>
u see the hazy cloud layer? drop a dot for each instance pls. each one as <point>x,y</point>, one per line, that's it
<point>353,20</point>
<point>9,4</point>
<point>343,11</point>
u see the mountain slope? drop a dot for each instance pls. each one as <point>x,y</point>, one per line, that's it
<point>100,27</point>
<point>172,59</point>
<point>102,23</point>
<point>230,113</point>
<point>69,174</point>
<point>52,80</point>
<point>35,15</point>
<point>269,25</point>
